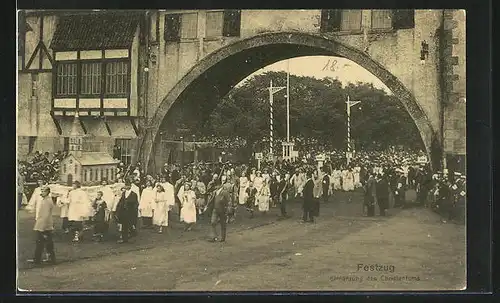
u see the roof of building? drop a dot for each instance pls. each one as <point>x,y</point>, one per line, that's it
<point>95,158</point>
<point>95,31</point>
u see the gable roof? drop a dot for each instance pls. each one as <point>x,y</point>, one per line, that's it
<point>95,31</point>
<point>94,158</point>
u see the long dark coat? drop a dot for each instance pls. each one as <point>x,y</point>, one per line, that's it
<point>126,209</point>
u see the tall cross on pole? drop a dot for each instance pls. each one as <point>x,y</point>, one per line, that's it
<point>349,103</point>
<point>272,91</point>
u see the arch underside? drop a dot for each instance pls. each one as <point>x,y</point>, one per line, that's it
<point>214,76</point>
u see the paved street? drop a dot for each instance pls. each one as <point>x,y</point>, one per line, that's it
<point>413,249</point>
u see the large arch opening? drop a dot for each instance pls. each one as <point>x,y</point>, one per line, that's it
<point>214,76</point>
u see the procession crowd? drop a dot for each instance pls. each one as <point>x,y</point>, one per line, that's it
<point>218,190</point>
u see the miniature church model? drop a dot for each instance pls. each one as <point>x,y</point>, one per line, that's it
<point>87,167</point>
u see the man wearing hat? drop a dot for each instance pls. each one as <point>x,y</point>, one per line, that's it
<point>126,211</point>
<point>218,209</point>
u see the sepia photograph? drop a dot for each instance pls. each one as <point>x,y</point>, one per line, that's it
<point>228,150</point>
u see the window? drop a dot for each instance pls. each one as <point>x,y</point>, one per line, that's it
<point>91,174</point>
<point>66,79</point>
<point>172,27</point>
<point>189,25</point>
<point>381,19</point>
<point>214,24</point>
<point>85,175</point>
<point>403,18</point>
<point>330,20</point>
<point>31,144</point>
<point>66,144</point>
<point>91,78</point>
<point>126,152</point>
<point>232,23</point>
<point>76,169</point>
<point>117,78</point>
<point>351,19</point>
<point>64,168</point>
<point>103,173</point>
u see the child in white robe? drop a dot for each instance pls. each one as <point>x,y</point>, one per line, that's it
<point>146,204</point>
<point>187,196</point>
<point>264,197</point>
<point>164,201</point>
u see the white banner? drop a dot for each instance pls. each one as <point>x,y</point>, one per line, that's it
<point>58,190</point>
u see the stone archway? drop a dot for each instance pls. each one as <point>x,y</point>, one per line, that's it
<point>303,41</point>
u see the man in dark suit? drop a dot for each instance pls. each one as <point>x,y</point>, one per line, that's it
<point>308,196</point>
<point>382,189</point>
<point>325,184</point>
<point>126,211</point>
<point>219,204</point>
<point>370,195</point>
<point>283,194</point>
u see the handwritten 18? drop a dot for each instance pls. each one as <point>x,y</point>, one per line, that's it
<point>331,66</point>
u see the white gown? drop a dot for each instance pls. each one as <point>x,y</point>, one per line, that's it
<point>336,179</point>
<point>264,197</point>
<point>163,202</point>
<point>347,180</point>
<point>146,204</point>
<point>80,205</point>
<point>188,210</point>
<point>356,172</point>
<point>243,187</point>
<point>258,182</point>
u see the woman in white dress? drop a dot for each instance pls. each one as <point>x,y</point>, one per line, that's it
<point>258,182</point>
<point>336,179</point>
<point>146,204</point>
<point>356,172</point>
<point>350,180</point>
<point>244,182</point>
<point>264,197</point>
<point>163,202</point>
<point>187,196</point>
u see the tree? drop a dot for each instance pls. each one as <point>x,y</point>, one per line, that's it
<point>317,110</point>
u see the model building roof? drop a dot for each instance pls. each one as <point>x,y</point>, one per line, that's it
<point>95,158</point>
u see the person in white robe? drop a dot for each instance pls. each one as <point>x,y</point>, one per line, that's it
<point>146,204</point>
<point>258,182</point>
<point>301,182</point>
<point>63,203</point>
<point>164,201</point>
<point>78,209</point>
<point>337,179</point>
<point>243,184</point>
<point>264,197</point>
<point>345,180</point>
<point>357,177</point>
<point>188,215</point>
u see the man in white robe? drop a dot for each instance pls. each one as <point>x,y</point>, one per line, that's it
<point>78,209</point>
